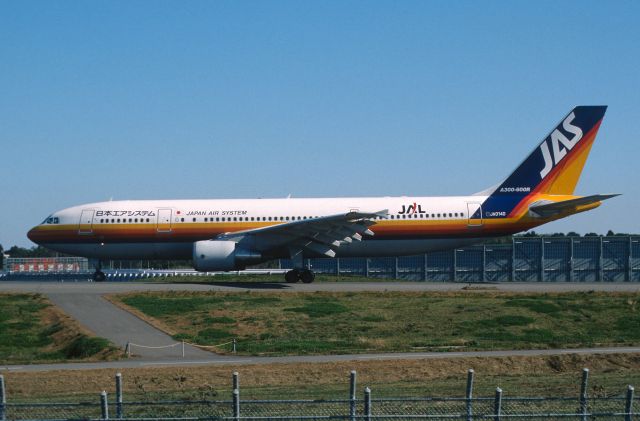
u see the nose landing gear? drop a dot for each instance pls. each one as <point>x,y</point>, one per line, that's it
<point>99,276</point>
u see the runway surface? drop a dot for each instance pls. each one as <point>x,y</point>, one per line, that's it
<point>84,302</point>
<point>83,287</point>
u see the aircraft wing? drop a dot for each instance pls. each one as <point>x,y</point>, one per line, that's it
<point>320,235</point>
<point>547,208</point>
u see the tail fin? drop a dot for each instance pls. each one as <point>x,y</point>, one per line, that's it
<point>554,166</point>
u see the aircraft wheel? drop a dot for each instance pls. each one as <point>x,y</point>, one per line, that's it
<point>99,276</point>
<point>292,276</point>
<point>307,276</point>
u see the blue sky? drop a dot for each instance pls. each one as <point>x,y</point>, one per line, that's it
<point>225,99</point>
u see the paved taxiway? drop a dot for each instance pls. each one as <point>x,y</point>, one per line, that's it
<point>84,302</point>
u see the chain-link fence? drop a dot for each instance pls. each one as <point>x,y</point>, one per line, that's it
<point>524,259</point>
<point>363,406</point>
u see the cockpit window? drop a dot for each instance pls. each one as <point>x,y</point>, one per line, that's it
<point>51,220</point>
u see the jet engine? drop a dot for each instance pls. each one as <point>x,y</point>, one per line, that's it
<point>219,255</point>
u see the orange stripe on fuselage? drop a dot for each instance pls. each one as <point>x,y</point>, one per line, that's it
<point>387,229</point>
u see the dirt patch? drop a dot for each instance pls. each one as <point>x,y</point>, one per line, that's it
<point>557,375</point>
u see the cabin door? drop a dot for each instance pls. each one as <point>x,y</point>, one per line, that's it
<point>164,220</point>
<point>86,222</point>
<point>474,215</point>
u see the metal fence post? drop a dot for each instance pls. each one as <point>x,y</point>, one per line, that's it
<point>352,396</point>
<point>484,263</point>
<point>425,268</point>
<point>367,404</point>
<point>236,404</point>
<point>601,261</point>
<point>571,277</point>
<point>583,395</point>
<point>119,414</point>
<point>236,381</point>
<point>104,405</point>
<point>234,345</point>
<point>628,405</point>
<point>497,404</point>
<point>469,395</point>
<point>366,267</point>
<point>455,265</point>
<point>3,399</point>
<point>630,262</point>
<point>395,273</point>
<point>513,259</point>
<point>542,278</point>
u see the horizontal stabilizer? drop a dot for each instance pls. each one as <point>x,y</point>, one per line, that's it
<point>547,208</point>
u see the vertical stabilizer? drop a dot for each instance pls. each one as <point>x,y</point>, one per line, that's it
<point>554,166</point>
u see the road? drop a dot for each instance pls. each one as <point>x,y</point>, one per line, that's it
<point>237,360</point>
<point>84,302</point>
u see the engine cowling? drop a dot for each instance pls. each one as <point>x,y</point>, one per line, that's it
<point>217,255</point>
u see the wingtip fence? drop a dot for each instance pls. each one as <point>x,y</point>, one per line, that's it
<point>496,408</point>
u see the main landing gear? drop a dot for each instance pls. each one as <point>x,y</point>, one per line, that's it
<point>294,275</point>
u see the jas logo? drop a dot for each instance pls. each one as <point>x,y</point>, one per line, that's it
<point>557,138</point>
<point>411,209</point>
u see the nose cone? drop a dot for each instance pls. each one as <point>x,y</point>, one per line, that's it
<point>33,235</point>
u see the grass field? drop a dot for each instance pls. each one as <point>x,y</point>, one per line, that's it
<point>320,323</point>
<point>32,330</point>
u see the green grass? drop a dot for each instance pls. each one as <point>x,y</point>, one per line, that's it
<point>319,323</point>
<point>26,335</point>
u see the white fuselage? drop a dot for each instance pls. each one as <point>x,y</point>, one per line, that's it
<point>167,229</point>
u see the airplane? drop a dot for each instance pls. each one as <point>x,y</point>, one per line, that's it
<point>226,235</point>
